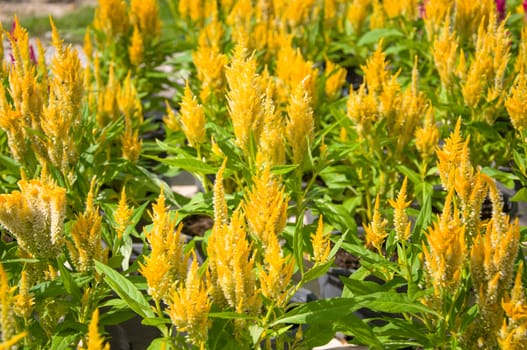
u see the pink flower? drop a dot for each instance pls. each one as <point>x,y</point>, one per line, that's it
<point>32,55</point>
<point>422,8</point>
<point>500,8</point>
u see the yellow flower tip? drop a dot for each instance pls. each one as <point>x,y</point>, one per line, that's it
<point>220,205</point>
<point>192,116</point>
<point>55,37</point>
<point>136,48</point>
<point>171,121</point>
<point>335,79</point>
<point>23,301</point>
<point>8,344</point>
<point>400,218</point>
<point>122,214</point>
<point>375,232</point>
<point>321,244</point>
<point>95,341</point>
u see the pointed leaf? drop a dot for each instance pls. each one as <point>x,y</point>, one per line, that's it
<point>126,290</point>
<point>319,311</point>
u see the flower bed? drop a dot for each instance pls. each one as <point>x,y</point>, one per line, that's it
<point>394,125</point>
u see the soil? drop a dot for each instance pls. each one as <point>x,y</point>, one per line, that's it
<point>29,8</point>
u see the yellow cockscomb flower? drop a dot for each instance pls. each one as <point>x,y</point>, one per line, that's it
<point>87,236</point>
<point>520,66</point>
<point>232,259</point>
<point>87,47</point>
<point>413,106</point>
<point>446,251</point>
<point>244,97</point>
<point>450,155</point>
<point>406,8</point>
<point>94,340</point>
<point>35,217</point>
<point>335,79</point>
<point>486,72</point>
<point>468,15</point>
<point>357,14</point>
<point>144,16</point>
<point>377,17</point>
<point>456,172</point>
<point>275,272</point>
<point>170,120</point>
<point>265,206</point>
<point>516,102</point>
<point>492,261</point>
<point>23,302</point>
<point>240,18</point>
<point>427,136</point>
<point>111,18</point>
<point>210,62</point>
<point>192,117</point>
<point>375,73</point>
<point>292,69</point>
<point>107,106</point>
<point>271,149</point>
<point>321,243</point>
<point>1,48</point>
<point>400,218</point>
<point>7,319</point>
<point>167,263</point>
<point>189,305</point>
<point>122,215</point>
<point>375,232</point>
<point>513,332</point>
<point>9,343</point>
<point>362,110</point>
<point>131,144</point>
<point>445,53</point>
<point>297,11</point>
<point>300,127</point>
<point>136,48</point>
<point>61,118</point>
<point>221,214</point>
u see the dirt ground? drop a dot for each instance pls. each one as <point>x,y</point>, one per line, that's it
<point>26,8</point>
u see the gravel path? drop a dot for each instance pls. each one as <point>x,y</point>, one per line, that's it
<point>39,8</point>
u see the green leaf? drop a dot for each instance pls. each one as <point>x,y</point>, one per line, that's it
<point>69,284</point>
<point>62,342</point>
<point>228,315</point>
<point>126,290</point>
<point>413,176</point>
<point>189,164</point>
<point>256,332</point>
<point>520,196</point>
<point>10,164</point>
<point>399,328</point>
<point>507,179</point>
<point>317,271</point>
<point>283,169</point>
<point>159,344</point>
<point>298,246</point>
<point>126,250</point>
<point>358,287</point>
<point>337,215</point>
<point>373,36</point>
<point>319,311</point>
<point>361,330</point>
<point>392,302</point>
<point>425,214</point>
<point>155,321</point>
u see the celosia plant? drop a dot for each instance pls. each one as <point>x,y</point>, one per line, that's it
<point>302,122</point>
